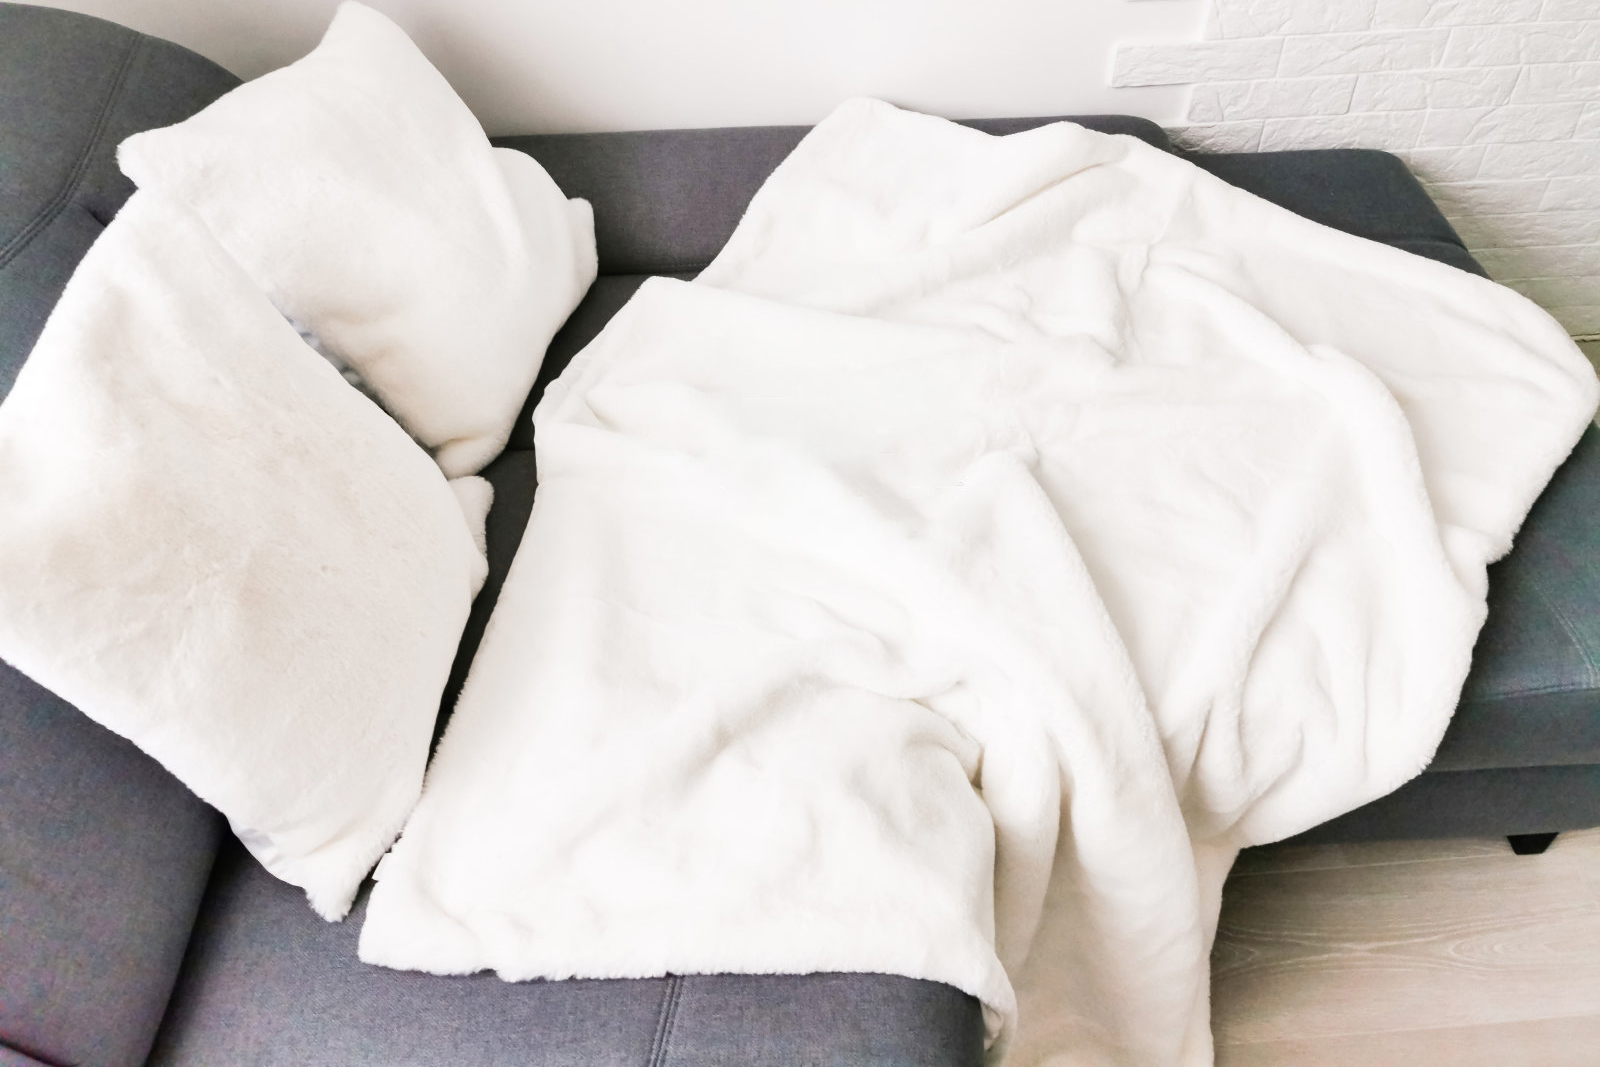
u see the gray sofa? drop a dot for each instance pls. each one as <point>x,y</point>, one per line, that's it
<point>134,929</point>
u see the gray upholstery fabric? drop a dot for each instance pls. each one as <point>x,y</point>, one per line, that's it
<point>666,200</point>
<point>103,861</point>
<point>71,88</point>
<point>267,983</point>
<point>1486,803</point>
<point>103,855</point>
<point>1368,193</point>
<point>10,1057</point>
<point>512,475</point>
<point>1533,697</point>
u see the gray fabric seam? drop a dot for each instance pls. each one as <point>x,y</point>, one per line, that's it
<point>63,197</point>
<point>1570,630</point>
<point>662,1045</point>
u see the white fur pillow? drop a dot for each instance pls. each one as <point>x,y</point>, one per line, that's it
<point>215,547</point>
<point>357,189</point>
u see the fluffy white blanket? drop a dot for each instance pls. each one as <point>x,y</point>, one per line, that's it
<point>996,537</point>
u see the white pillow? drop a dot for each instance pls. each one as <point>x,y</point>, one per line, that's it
<point>215,547</point>
<point>356,188</point>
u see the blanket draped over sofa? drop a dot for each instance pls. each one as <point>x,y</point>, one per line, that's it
<point>996,537</point>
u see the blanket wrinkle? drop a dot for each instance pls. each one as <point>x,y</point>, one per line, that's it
<point>997,536</point>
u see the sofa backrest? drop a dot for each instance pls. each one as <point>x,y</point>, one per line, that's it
<point>104,856</point>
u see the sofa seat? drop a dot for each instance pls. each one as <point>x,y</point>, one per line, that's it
<point>270,983</point>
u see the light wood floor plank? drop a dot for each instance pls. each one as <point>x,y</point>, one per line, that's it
<point>1536,1043</point>
<point>1339,941</point>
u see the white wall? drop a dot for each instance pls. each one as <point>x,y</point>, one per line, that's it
<point>564,65</point>
<point>1495,104</point>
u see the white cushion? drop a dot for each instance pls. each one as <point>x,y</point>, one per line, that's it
<point>215,547</point>
<point>358,190</point>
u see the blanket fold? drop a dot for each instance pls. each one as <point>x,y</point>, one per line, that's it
<point>997,536</point>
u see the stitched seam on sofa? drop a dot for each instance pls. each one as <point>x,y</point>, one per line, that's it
<point>63,197</point>
<point>1498,695</point>
<point>662,1045</point>
<point>43,1061</point>
<point>1570,630</point>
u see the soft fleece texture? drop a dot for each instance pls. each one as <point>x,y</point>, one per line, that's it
<point>998,535</point>
<point>215,547</point>
<point>356,188</point>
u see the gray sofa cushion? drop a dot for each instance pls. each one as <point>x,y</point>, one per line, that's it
<point>58,136</point>
<point>103,861</point>
<point>103,855</point>
<point>1533,697</point>
<point>666,200</point>
<point>10,1057</point>
<point>267,983</point>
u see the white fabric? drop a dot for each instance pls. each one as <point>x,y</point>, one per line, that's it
<point>215,547</point>
<point>997,536</point>
<point>357,189</point>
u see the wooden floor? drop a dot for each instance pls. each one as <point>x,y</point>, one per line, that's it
<point>1410,954</point>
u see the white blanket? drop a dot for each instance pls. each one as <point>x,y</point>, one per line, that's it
<point>998,535</point>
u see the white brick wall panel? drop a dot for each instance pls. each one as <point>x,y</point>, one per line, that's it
<point>1272,18</point>
<point>1489,198</point>
<point>1407,14</point>
<point>1391,129</point>
<point>1398,14</point>
<point>1499,125</point>
<point>1218,137</point>
<point>1564,10</point>
<point>1389,91</point>
<point>1578,321</point>
<point>1588,126</point>
<point>1572,194</point>
<point>1355,53</point>
<point>1540,42</point>
<point>1552,159</point>
<point>1540,261</point>
<point>1549,83</point>
<point>1559,292</point>
<point>1415,90</point>
<point>1533,228</point>
<point>1444,164</point>
<point>1232,101</point>
<point>1177,64</point>
<point>1494,104</point>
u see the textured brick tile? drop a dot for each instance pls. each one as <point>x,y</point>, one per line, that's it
<point>1272,18</point>
<point>1573,194</point>
<point>1491,198</point>
<point>1408,90</point>
<point>1409,14</point>
<point>1554,159</point>
<point>1579,321</point>
<point>1588,126</point>
<point>1390,130</point>
<point>1218,136</point>
<point>1541,228</point>
<point>1355,53</point>
<point>1559,292</point>
<point>1545,83</point>
<point>1541,261</point>
<point>1540,42</point>
<point>1563,10</point>
<point>1457,164</point>
<point>1176,64</point>
<point>1230,101</point>
<point>1499,125</point>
